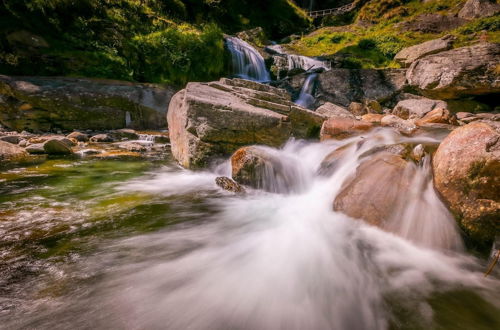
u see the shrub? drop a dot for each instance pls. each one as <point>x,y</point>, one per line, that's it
<point>367,44</point>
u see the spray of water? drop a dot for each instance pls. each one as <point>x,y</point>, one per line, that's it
<point>306,98</point>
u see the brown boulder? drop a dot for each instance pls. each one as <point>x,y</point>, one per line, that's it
<point>229,185</point>
<point>340,128</point>
<point>438,116</point>
<point>373,192</point>
<point>11,153</point>
<point>405,127</point>
<point>467,175</point>
<point>373,118</point>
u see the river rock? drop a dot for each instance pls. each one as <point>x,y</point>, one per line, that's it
<point>11,153</point>
<point>467,175</point>
<point>332,110</point>
<point>260,168</point>
<point>229,185</point>
<point>340,128</point>
<point>35,149</point>
<point>50,103</point>
<point>437,116</point>
<point>357,108</point>
<point>14,139</point>
<point>208,120</point>
<point>471,70</point>
<point>373,118</point>
<point>410,54</point>
<point>124,134</point>
<point>101,138</point>
<point>416,108</point>
<point>373,192</point>
<point>478,8</point>
<point>57,147</point>
<point>406,127</point>
<point>78,136</point>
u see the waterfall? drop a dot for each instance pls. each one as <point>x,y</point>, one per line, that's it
<point>306,98</point>
<point>306,63</point>
<point>247,62</point>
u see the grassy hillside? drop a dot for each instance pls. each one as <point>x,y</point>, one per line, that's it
<point>377,31</point>
<point>166,41</point>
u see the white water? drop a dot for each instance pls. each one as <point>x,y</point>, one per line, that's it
<point>247,62</point>
<point>306,98</point>
<point>306,63</point>
<point>288,261</point>
<point>281,260</point>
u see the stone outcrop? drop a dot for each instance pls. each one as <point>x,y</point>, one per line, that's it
<point>214,119</point>
<point>410,54</point>
<point>432,23</point>
<point>341,128</point>
<point>467,175</point>
<point>343,86</point>
<point>405,127</point>
<point>478,9</point>
<point>50,103</point>
<point>416,108</point>
<point>437,116</point>
<point>459,72</point>
<point>373,192</point>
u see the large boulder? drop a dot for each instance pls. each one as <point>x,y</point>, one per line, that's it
<point>343,86</point>
<point>471,70</point>
<point>57,147</point>
<point>49,103</point>
<point>478,8</point>
<point>467,175</point>
<point>416,108</point>
<point>410,54</point>
<point>372,193</point>
<point>11,153</point>
<point>208,120</point>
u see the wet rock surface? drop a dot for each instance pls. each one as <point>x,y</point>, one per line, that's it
<point>467,175</point>
<point>340,128</point>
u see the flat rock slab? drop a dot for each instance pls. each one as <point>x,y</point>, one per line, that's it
<point>208,120</point>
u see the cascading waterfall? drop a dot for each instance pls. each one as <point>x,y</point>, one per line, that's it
<point>306,98</point>
<point>247,62</point>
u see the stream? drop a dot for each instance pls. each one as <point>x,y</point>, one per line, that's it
<point>144,244</point>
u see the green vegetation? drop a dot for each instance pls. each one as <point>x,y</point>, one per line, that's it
<point>376,33</point>
<point>164,41</point>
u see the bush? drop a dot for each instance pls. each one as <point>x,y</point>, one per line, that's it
<point>367,44</point>
<point>489,24</point>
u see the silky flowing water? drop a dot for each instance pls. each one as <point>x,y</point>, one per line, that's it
<point>144,244</point>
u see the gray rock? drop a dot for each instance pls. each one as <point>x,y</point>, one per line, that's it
<point>208,120</point>
<point>47,103</point>
<point>405,127</point>
<point>14,139</point>
<point>410,54</point>
<point>417,108</point>
<point>459,72</point>
<point>124,133</point>
<point>478,8</point>
<point>332,110</point>
<point>432,23</point>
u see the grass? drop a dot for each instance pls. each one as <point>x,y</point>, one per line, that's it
<point>374,44</point>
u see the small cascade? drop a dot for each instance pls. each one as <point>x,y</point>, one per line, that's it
<point>147,138</point>
<point>306,63</point>
<point>306,98</point>
<point>247,62</point>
